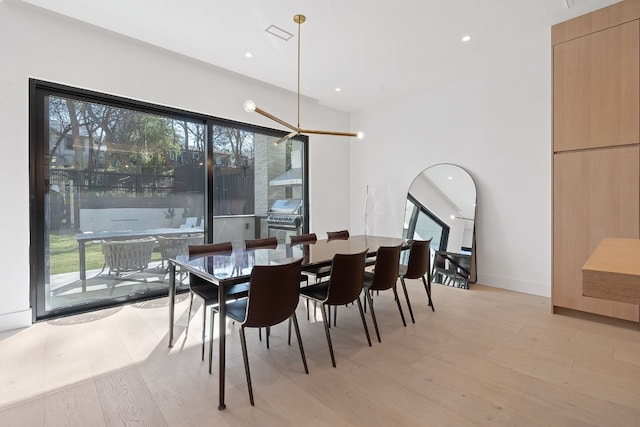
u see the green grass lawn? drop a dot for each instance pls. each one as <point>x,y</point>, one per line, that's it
<point>64,257</point>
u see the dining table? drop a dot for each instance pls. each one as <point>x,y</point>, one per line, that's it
<point>224,270</point>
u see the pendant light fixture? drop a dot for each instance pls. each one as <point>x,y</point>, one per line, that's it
<point>251,106</point>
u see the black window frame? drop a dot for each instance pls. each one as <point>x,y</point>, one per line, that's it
<point>38,176</point>
<point>420,208</point>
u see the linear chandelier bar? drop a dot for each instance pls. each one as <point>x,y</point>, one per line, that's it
<point>329,132</point>
<point>275,119</point>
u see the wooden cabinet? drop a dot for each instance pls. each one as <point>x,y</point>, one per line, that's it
<point>595,89</point>
<point>596,151</point>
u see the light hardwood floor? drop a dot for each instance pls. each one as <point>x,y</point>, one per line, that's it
<point>484,357</point>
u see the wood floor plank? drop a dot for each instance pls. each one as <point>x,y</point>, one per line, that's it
<point>76,405</point>
<point>125,400</point>
<point>486,356</point>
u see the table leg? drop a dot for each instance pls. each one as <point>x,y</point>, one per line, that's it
<point>221,342</point>
<point>172,299</point>
<point>83,265</point>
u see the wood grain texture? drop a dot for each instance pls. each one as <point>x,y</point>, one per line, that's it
<point>607,17</point>
<point>486,356</point>
<point>612,271</point>
<point>126,400</point>
<point>598,20</point>
<point>596,92</point>
<point>596,194</point>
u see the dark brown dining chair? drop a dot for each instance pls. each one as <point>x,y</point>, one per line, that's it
<point>273,297</point>
<point>341,234</point>
<point>299,239</point>
<point>303,238</point>
<point>383,277</point>
<point>210,248</point>
<point>418,266</point>
<point>209,293</point>
<point>324,272</point>
<point>267,242</point>
<point>343,287</point>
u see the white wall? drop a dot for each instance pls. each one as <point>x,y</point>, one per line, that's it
<point>39,44</point>
<point>495,121</point>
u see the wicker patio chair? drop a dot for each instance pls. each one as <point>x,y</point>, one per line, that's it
<point>127,255</point>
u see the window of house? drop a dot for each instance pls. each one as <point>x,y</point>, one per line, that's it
<point>121,185</point>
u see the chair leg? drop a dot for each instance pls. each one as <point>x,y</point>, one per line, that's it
<point>428,289</point>
<point>243,341</point>
<point>213,322</point>
<point>406,296</point>
<point>186,332</point>
<point>204,328</point>
<point>267,333</point>
<point>326,330</point>
<point>364,322</point>
<point>295,324</point>
<point>395,295</point>
<point>373,314</point>
<point>289,332</point>
<point>364,299</point>
<point>335,315</point>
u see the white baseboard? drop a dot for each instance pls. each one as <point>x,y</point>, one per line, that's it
<point>528,287</point>
<point>15,320</point>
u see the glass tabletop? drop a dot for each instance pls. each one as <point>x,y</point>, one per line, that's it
<point>238,264</point>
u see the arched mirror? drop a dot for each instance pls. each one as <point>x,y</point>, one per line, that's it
<point>441,205</point>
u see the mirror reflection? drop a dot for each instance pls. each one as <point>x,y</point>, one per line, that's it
<point>441,206</point>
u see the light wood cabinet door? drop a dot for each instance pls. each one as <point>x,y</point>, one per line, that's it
<point>596,194</point>
<point>596,96</point>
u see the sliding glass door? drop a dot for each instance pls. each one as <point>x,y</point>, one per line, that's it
<point>120,186</point>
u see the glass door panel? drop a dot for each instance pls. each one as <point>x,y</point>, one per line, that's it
<point>125,191</point>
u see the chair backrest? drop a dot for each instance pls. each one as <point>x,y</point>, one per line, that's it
<point>419,259</point>
<point>211,248</point>
<point>347,277</point>
<point>342,234</point>
<point>273,293</point>
<point>385,272</point>
<point>303,238</point>
<point>268,242</point>
<point>133,254</point>
<point>171,247</point>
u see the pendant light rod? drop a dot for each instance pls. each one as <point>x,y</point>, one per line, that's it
<point>299,19</point>
<point>250,106</point>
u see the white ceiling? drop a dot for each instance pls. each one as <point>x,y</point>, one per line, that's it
<point>374,50</point>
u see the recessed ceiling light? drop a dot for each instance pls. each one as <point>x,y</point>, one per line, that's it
<point>466,38</point>
<point>338,89</point>
<point>450,178</point>
<point>248,55</point>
